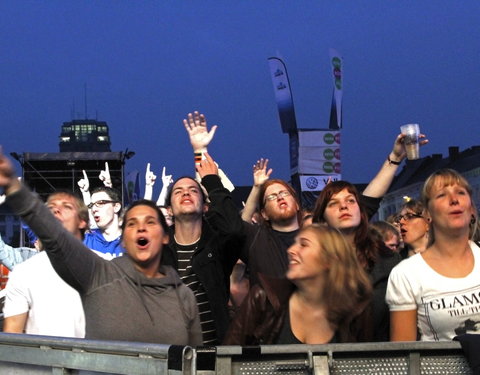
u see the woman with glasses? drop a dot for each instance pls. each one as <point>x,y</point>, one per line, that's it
<point>322,300</point>
<point>438,290</point>
<point>414,227</point>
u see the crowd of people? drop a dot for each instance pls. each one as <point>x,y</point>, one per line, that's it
<point>190,269</point>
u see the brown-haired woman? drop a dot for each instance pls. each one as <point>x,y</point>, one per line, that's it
<point>339,205</point>
<point>414,227</point>
<point>324,298</point>
<point>437,290</point>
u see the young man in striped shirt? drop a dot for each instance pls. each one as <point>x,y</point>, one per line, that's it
<point>203,257</point>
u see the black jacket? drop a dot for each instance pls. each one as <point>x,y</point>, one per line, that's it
<point>217,252</point>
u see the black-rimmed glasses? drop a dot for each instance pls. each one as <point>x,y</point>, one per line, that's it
<point>407,217</point>
<point>100,203</point>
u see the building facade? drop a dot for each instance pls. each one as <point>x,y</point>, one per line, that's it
<point>409,182</point>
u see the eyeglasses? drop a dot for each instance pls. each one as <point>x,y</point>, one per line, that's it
<point>274,196</point>
<point>407,217</point>
<point>100,203</point>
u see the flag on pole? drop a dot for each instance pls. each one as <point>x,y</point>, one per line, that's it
<point>132,187</point>
<point>336,62</point>
<point>283,94</point>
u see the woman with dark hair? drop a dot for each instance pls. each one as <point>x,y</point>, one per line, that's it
<point>323,298</point>
<point>414,227</point>
<point>437,290</point>
<point>132,297</point>
<point>339,206</point>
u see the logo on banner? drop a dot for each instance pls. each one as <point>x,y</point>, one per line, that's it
<point>281,86</point>
<point>328,154</point>
<point>278,73</point>
<point>311,182</point>
<point>337,72</point>
<point>328,167</point>
<point>337,154</point>
<point>337,138</point>
<point>329,138</point>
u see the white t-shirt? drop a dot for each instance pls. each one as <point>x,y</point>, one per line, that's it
<point>446,307</point>
<point>54,308</point>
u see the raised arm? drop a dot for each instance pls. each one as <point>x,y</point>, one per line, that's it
<point>84,185</point>
<point>167,180</point>
<point>382,181</point>
<point>200,138</point>
<point>74,262</point>
<point>150,178</point>
<point>104,176</point>
<point>11,256</point>
<point>196,127</point>
<point>222,213</point>
<point>260,176</point>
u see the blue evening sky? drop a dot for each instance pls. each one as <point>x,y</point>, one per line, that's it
<point>148,63</point>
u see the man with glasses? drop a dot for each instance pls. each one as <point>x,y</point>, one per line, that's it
<point>105,209</point>
<point>265,248</point>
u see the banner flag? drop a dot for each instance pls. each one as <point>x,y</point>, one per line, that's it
<point>283,94</point>
<point>337,74</point>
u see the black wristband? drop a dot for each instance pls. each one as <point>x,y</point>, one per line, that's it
<point>390,161</point>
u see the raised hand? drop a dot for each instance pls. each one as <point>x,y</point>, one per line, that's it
<point>260,173</point>
<point>196,126</point>
<point>399,151</point>
<point>84,183</point>
<point>104,176</point>
<point>150,177</point>
<point>7,175</point>
<point>167,180</point>
<point>207,166</point>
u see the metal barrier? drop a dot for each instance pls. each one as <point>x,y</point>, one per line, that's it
<point>30,354</point>
<point>367,358</point>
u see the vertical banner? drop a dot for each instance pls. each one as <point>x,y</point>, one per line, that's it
<point>132,187</point>
<point>336,63</point>
<point>283,94</point>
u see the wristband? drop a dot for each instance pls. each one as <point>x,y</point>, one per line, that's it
<point>390,161</point>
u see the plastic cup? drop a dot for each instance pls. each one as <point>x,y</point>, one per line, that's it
<point>411,131</point>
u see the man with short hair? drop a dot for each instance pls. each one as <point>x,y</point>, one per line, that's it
<point>204,257</point>
<point>37,300</point>
<point>105,209</point>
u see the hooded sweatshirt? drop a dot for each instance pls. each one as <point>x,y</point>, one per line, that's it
<point>120,303</point>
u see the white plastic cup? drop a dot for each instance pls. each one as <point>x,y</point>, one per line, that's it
<point>411,131</point>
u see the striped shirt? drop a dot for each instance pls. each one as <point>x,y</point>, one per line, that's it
<point>190,279</point>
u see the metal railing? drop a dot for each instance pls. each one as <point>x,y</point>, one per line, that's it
<point>31,354</point>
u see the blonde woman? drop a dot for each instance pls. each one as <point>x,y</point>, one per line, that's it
<point>438,290</point>
<point>323,299</point>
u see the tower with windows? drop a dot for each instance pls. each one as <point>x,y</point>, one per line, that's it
<point>84,136</point>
